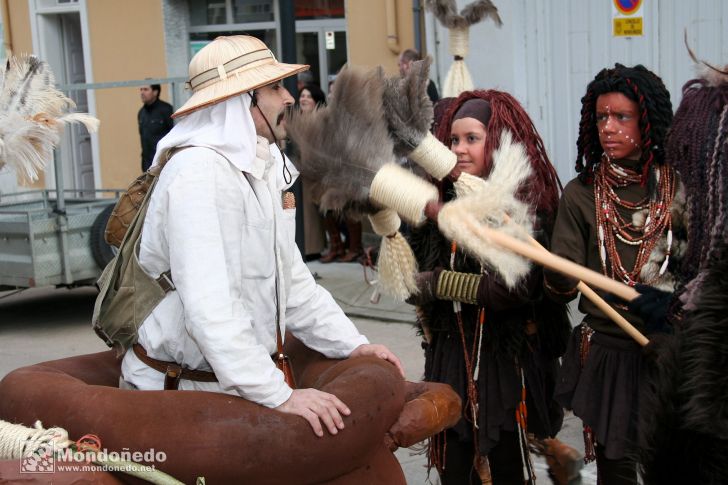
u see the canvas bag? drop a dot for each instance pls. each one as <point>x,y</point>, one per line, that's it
<point>127,294</point>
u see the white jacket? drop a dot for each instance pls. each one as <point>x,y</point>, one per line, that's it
<point>222,231</point>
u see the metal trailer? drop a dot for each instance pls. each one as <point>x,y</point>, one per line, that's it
<point>56,237</point>
<point>47,240</point>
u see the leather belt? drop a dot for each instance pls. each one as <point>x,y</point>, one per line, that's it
<point>172,371</point>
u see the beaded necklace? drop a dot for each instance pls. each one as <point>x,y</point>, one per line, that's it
<point>612,226</point>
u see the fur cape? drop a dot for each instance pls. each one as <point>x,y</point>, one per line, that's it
<point>651,269</point>
<point>683,413</point>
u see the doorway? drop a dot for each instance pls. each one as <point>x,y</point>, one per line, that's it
<point>323,48</point>
<point>62,42</point>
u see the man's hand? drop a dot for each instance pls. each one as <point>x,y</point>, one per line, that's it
<point>378,351</point>
<point>316,406</point>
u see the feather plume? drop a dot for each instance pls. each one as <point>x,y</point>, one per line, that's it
<point>32,114</point>
<point>496,197</point>
<point>408,108</point>
<point>344,144</point>
<point>446,12</point>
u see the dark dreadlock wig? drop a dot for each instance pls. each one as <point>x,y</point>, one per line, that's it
<point>655,113</point>
<point>542,189</point>
<point>696,146</point>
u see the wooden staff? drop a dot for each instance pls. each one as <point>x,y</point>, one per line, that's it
<point>545,258</point>
<point>598,301</point>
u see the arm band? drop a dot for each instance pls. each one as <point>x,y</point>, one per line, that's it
<point>462,287</point>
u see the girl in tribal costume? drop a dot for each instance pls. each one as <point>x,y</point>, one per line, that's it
<point>497,346</point>
<point>620,216</point>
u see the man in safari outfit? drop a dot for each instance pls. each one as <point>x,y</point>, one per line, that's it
<point>217,222</point>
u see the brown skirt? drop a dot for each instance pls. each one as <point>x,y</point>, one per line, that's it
<point>604,393</point>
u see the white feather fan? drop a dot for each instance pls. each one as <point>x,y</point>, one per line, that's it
<point>32,113</point>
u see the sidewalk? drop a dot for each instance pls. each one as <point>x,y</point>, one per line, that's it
<point>392,323</point>
<point>346,283</point>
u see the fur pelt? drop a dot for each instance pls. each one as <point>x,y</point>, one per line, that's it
<point>474,12</point>
<point>511,168</point>
<point>32,114</point>
<point>683,413</point>
<point>650,272</point>
<point>343,144</point>
<point>408,108</point>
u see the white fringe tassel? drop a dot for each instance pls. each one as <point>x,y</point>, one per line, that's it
<point>395,188</point>
<point>396,265</point>
<point>432,155</point>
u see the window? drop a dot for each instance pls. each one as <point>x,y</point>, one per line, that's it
<point>208,12</point>
<point>230,12</point>
<point>198,40</point>
<point>252,11</point>
<point>319,9</point>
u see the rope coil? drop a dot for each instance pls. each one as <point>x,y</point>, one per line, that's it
<point>386,222</point>
<point>398,189</point>
<point>18,441</point>
<point>434,157</point>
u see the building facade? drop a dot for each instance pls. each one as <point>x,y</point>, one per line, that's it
<point>114,45</point>
<point>547,51</point>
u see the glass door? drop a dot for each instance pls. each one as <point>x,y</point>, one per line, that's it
<point>323,48</point>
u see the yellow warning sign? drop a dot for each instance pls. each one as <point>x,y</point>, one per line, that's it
<point>627,26</point>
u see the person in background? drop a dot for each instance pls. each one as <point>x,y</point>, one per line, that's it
<point>310,96</point>
<point>155,121</point>
<point>304,78</point>
<point>404,62</point>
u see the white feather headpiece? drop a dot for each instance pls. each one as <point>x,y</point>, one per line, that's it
<point>32,113</point>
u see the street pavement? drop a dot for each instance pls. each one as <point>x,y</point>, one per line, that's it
<point>46,323</point>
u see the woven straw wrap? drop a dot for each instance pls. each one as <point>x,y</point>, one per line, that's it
<point>396,188</point>
<point>434,157</point>
<point>386,222</point>
<point>459,41</point>
<point>229,66</point>
<point>458,78</point>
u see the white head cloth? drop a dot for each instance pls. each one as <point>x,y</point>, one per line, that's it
<point>226,127</point>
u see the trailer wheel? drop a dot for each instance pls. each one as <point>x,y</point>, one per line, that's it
<point>102,252</point>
